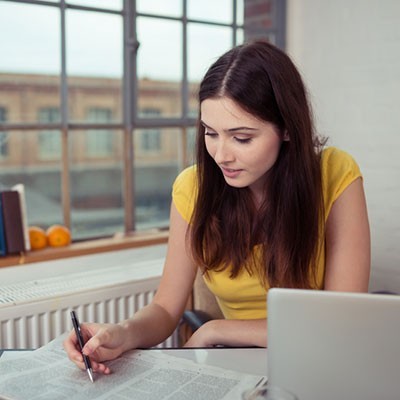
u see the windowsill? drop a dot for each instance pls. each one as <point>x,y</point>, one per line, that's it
<point>118,242</point>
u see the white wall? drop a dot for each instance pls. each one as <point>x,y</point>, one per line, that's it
<point>349,54</point>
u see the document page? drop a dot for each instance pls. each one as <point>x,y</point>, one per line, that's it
<point>47,374</point>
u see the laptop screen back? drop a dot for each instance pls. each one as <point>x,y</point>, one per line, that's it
<point>329,345</point>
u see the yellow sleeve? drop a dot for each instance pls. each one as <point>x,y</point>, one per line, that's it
<point>339,170</point>
<point>184,192</point>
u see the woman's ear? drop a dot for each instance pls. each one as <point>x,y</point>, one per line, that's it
<point>286,136</point>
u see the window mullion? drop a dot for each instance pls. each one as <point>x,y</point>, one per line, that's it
<point>129,101</point>
<point>185,86</point>
<point>65,163</point>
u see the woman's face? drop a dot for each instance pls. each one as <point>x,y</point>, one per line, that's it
<point>243,146</point>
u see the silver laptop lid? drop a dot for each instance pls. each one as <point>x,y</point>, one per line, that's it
<point>329,345</point>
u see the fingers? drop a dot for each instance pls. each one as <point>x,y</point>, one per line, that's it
<point>102,337</point>
<point>104,342</point>
<point>100,368</point>
<point>91,346</point>
<point>70,346</point>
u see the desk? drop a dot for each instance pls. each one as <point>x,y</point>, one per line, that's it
<point>247,360</point>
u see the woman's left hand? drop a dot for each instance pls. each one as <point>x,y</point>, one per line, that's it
<point>205,336</point>
<point>230,332</point>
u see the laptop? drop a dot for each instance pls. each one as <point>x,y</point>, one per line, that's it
<point>334,346</point>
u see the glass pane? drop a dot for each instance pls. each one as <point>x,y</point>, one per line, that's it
<point>4,146</point>
<point>156,165</point>
<point>49,145</point>
<point>94,63</point>
<point>171,8</point>
<point>41,178</point>
<point>211,10</point>
<point>99,142</point>
<point>160,66</point>
<point>190,145</point>
<point>239,36</point>
<point>96,183</point>
<point>107,4</point>
<point>205,45</point>
<point>239,12</point>
<point>193,108</point>
<point>30,61</point>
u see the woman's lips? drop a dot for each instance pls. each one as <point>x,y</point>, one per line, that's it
<point>231,173</point>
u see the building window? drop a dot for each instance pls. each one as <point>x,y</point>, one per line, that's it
<point>150,139</point>
<point>49,140</point>
<point>4,146</point>
<point>99,143</point>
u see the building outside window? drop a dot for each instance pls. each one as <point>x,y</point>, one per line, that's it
<point>3,135</point>
<point>98,122</point>
<point>99,143</point>
<point>150,139</point>
<point>49,146</point>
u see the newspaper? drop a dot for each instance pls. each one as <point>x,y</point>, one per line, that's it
<point>47,374</point>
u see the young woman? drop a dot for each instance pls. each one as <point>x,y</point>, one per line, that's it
<point>265,205</point>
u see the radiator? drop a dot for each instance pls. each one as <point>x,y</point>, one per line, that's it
<point>33,313</point>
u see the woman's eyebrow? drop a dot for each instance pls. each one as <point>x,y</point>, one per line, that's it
<point>204,124</point>
<point>239,128</point>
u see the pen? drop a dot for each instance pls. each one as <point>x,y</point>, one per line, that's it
<point>86,360</point>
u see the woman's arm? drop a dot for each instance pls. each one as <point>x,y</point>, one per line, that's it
<point>153,323</point>
<point>158,320</point>
<point>230,332</point>
<point>348,248</point>
<point>347,269</point>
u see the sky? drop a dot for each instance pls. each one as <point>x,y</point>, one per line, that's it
<point>30,39</point>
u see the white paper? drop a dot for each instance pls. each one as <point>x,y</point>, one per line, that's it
<point>47,374</point>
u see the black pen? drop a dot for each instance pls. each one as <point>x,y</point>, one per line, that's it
<point>88,365</point>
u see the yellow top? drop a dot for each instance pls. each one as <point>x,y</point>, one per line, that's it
<point>245,297</point>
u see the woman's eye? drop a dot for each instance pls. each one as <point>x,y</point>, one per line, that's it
<point>246,140</point>
<point>209,133</point>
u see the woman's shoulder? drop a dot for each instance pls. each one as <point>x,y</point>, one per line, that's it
<point>187,177</point>
<point>337,161</point>
<point>184,191</point>
<point>333,154</point>
<point>339,169</point>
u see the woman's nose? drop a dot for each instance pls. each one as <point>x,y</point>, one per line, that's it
<point>223,153</point>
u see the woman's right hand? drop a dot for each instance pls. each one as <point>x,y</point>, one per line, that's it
<point>103,342</point>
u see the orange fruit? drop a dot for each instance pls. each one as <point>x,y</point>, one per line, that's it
<point>37,238</point>
<point>58,236</point>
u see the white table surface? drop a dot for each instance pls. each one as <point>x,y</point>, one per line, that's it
<point>248,360</point>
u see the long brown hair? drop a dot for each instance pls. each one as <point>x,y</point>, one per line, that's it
<point>225,224</point>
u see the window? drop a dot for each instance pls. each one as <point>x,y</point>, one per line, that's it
<point>49,115</point>
<point>98,123</point>
<point>49,140</point>
<point>150,139</point>
<point>99,143</point>
<point>3,135</point>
